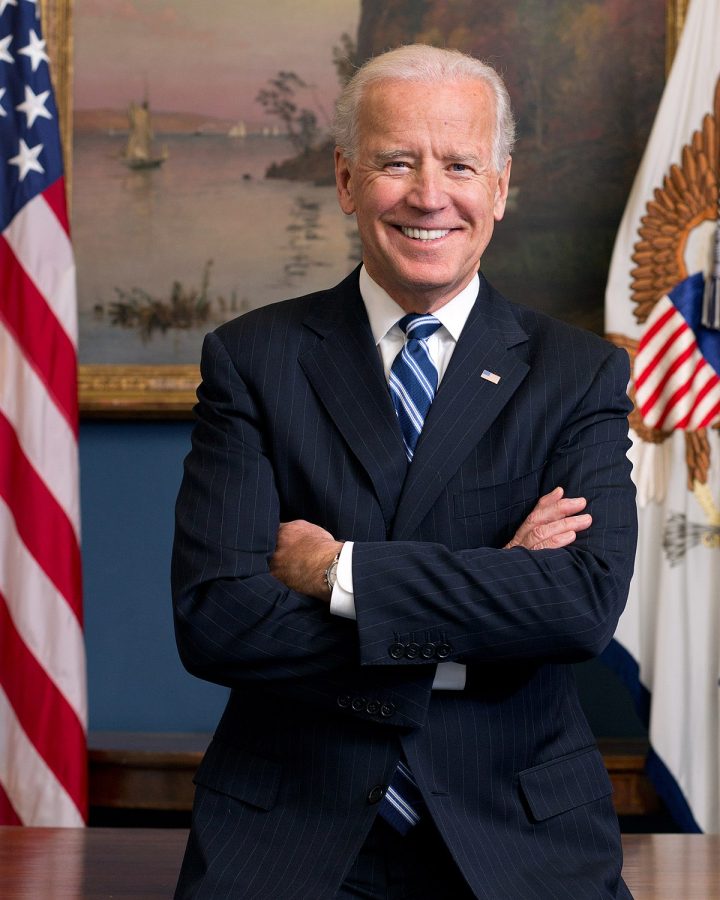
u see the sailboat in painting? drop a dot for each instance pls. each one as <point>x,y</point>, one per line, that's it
<point>138,153</point>
<point>239,130</point>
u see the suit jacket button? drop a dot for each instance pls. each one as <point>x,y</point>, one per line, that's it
<point>372,707</point>
<point>443,651</point>
<point>387,710</point>
<point>376,794</point>
<point>412,651</point>
<point>344,701</point>
<point>358,704</point>
<point>427,651</point>
<point>397,650</point>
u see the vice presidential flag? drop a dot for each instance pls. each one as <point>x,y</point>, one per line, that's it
<point>43,768</point>
<point>663,306</point>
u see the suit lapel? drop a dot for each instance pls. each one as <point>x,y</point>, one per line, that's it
<point>345,371</point>
<point>465,405</point>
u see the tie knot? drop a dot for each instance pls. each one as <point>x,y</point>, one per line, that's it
<point>419,325</point>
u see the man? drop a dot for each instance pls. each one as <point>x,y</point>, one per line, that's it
<point>361,554</point>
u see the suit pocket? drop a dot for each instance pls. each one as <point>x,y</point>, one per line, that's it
<point>565,783</point>
<point>239,774</point>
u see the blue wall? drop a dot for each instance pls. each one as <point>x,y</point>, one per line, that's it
<point>130,473</point>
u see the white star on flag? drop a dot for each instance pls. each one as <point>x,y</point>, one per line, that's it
<point>34,106</point>
<point>35,50</point>
<point>6,3</point>
<point>27,159</point>
<point>2,109</point>
<point>4,44</point>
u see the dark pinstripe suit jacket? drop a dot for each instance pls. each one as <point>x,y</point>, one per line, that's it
<point>295,421</point>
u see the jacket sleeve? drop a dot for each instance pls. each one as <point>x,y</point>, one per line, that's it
<point>489,605</point>
<point>231,614</point>
<point>234,622</point>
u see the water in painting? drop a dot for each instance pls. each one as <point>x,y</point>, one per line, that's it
<point>175,226</point>
<point>206,216</point>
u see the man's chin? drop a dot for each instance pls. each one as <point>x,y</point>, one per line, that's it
<point>422,296</point>
<point>431,285</point>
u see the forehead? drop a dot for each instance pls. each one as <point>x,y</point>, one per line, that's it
<point>457,110</point>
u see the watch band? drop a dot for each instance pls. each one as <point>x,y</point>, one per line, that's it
<point>330,574</point>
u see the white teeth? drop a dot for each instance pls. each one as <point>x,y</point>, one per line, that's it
<point>424,234</point>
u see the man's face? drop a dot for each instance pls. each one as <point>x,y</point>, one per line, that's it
<point>423,187</point>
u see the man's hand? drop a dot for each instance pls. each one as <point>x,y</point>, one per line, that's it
<point>553,523</point>
<point>303,553</point>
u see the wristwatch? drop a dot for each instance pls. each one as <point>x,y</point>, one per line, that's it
<point>330,574</point>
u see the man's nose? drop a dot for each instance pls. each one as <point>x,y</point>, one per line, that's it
<point>428,191</point>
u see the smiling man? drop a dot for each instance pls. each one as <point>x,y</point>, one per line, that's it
<point>381,544</point>
<point>425,187</point>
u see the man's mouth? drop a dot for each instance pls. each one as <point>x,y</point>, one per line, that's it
<point>425,234</point>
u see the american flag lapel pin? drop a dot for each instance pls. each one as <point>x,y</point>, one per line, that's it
<point>490,376</point>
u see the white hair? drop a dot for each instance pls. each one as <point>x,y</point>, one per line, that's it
<point>427,65</point>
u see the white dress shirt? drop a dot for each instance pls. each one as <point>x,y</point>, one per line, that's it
<point>384,314</point>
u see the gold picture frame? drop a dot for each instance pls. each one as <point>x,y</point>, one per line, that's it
<point>158,391</point>
<point>675,12</point>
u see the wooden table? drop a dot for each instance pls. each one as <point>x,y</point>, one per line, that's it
<point>94,863</point>
<point>69,863</point>
<point>672,866</point>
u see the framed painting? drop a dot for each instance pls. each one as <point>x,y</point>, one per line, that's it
<point>197,148</point>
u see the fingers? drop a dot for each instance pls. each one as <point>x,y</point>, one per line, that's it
<point>552,497</point>
<point>557,534</point>
<point>554,522</point>
<point>554,506</point>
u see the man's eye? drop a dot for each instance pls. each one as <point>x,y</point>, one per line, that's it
<point>397,164</point>
<point>460,167</point>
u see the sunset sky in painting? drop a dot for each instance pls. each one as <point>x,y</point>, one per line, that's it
<point>208,58</point>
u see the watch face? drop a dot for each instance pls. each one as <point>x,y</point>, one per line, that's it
<point>331,573</point>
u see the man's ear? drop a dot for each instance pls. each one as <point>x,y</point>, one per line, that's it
<point>501,191</point>
<point>343,182</point>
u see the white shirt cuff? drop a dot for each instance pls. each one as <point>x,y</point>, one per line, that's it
<point>342,599</point>
<point>450,676</point>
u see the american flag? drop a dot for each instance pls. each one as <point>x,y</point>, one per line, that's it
<point>43,707</point>
<point>677,367</point>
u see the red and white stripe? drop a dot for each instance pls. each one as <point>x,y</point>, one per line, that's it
<point>675,386</point>
<point>43,703</point>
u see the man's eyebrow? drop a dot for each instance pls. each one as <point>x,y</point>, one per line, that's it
<point>471,158</point>
<point>389,155</point>
<point>383,156</point>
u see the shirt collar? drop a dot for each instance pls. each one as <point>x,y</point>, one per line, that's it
<point>383,312</point>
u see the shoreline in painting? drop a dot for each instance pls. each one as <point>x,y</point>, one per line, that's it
<point>267,239</point>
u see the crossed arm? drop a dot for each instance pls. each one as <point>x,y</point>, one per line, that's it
<point>246,595</point>
<point>304,551</point>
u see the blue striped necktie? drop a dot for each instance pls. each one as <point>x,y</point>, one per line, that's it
<point>413,382</point>
<point>402,804</point>
<point>414,378</point>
